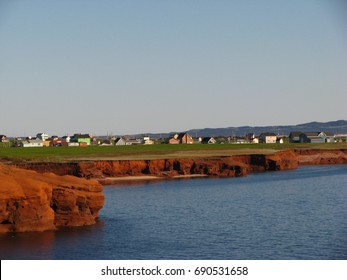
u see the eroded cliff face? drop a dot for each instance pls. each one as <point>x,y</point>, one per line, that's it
<point>31,201</point>
<point>228,166</point>
<point>316,157</point>
<point>37,200</point>
<point>231,166</point>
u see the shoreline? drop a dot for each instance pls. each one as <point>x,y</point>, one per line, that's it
<point>277,161</point>
<point>111,170</point>
<point>71,194</point>
<point>114,180</point>
<point>108,181</point>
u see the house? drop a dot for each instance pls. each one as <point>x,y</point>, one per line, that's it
<point>294,137</point>
<point>81,139</point>
<point>47,142</point>
<point>240,140</point>
<point>328,136</point>
<point>279,140</point>
<point>249,137</point>
<point>267,137</point>
<point>174,139</point>
<point>255,140</point>
<point>182,138</point>
<point>106,143</point>
<point>341,137</point>
<point>147,141</point>
<point>317,137</point>
<point>132,141</point>
<point>31,143</point>
<point>311,137</point>
<point>57,142</point>
<point>208,140</point>
<point>65,138</point>
<point>3,139</point>
<point>42,136</point>
<point>185,138</point>
<point>119,141</point>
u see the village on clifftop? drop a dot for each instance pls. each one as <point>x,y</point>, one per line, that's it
<point>44,140</point>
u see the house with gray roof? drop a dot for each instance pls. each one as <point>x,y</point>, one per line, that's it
<point>268,138</point>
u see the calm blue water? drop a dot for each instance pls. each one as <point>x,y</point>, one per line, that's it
<point>299,214</point>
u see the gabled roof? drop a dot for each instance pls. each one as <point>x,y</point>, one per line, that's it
<point>311,134</point>
<point>328,134</point>
<point>206,138</point>
<point>295,134</point>
<point>82,136</point>
<point>181,135</point>
<point>33,141</point>
<point>268,134</point>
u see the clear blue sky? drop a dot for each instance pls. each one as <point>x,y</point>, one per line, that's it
<point>159,66</point>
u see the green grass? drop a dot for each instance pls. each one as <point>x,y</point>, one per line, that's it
<point>147,151</point>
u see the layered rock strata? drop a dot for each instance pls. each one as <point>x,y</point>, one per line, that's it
<point>30,201</point>
<point>55,195</point>
<point>228,166</point>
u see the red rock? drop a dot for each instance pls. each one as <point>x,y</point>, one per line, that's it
<point>313,157</point>
<point>30,201</point>
<point>43,201</point>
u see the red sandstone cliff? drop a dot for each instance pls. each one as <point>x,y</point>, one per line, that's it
<point>30,201</point>
<point>228,166</point>
<point>41,201</point>
<point>314,157</point>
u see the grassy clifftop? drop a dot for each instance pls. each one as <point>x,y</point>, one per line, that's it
<point>65,154</point>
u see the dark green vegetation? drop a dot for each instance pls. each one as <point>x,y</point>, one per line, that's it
<point>61,154</point>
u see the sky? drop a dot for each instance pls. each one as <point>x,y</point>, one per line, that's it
<point>126,67</point>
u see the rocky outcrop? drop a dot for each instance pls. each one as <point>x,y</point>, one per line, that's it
<point>30,201</point>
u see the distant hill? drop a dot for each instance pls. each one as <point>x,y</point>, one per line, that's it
<point>335,127</point>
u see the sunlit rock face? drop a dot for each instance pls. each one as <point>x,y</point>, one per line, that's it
<point>31,201</point>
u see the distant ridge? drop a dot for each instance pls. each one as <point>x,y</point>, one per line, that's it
<point>336,127</point>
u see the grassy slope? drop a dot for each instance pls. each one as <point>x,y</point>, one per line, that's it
<point>59,154</point>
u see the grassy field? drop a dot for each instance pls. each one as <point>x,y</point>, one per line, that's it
<point>62,154</point>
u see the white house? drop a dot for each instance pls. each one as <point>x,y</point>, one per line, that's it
<point>66,138</point>
<point>4,139</point>
<point>42,136</point>
<point>132,141</point>
<point>147,141</point>
<point>119,141</point>
<point>207,140</point>
<point>255,140</point>
<point>267,137</point>
<point>31,143</point>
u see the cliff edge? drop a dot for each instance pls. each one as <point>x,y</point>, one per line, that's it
<point>31,201</point>
<point>41,196</point>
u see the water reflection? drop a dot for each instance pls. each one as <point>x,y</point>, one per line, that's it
<point>44,245</point>
<point>37,245</point>
<point>299,214</point>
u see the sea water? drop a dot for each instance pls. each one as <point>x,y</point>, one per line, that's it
<point>297,214</point>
